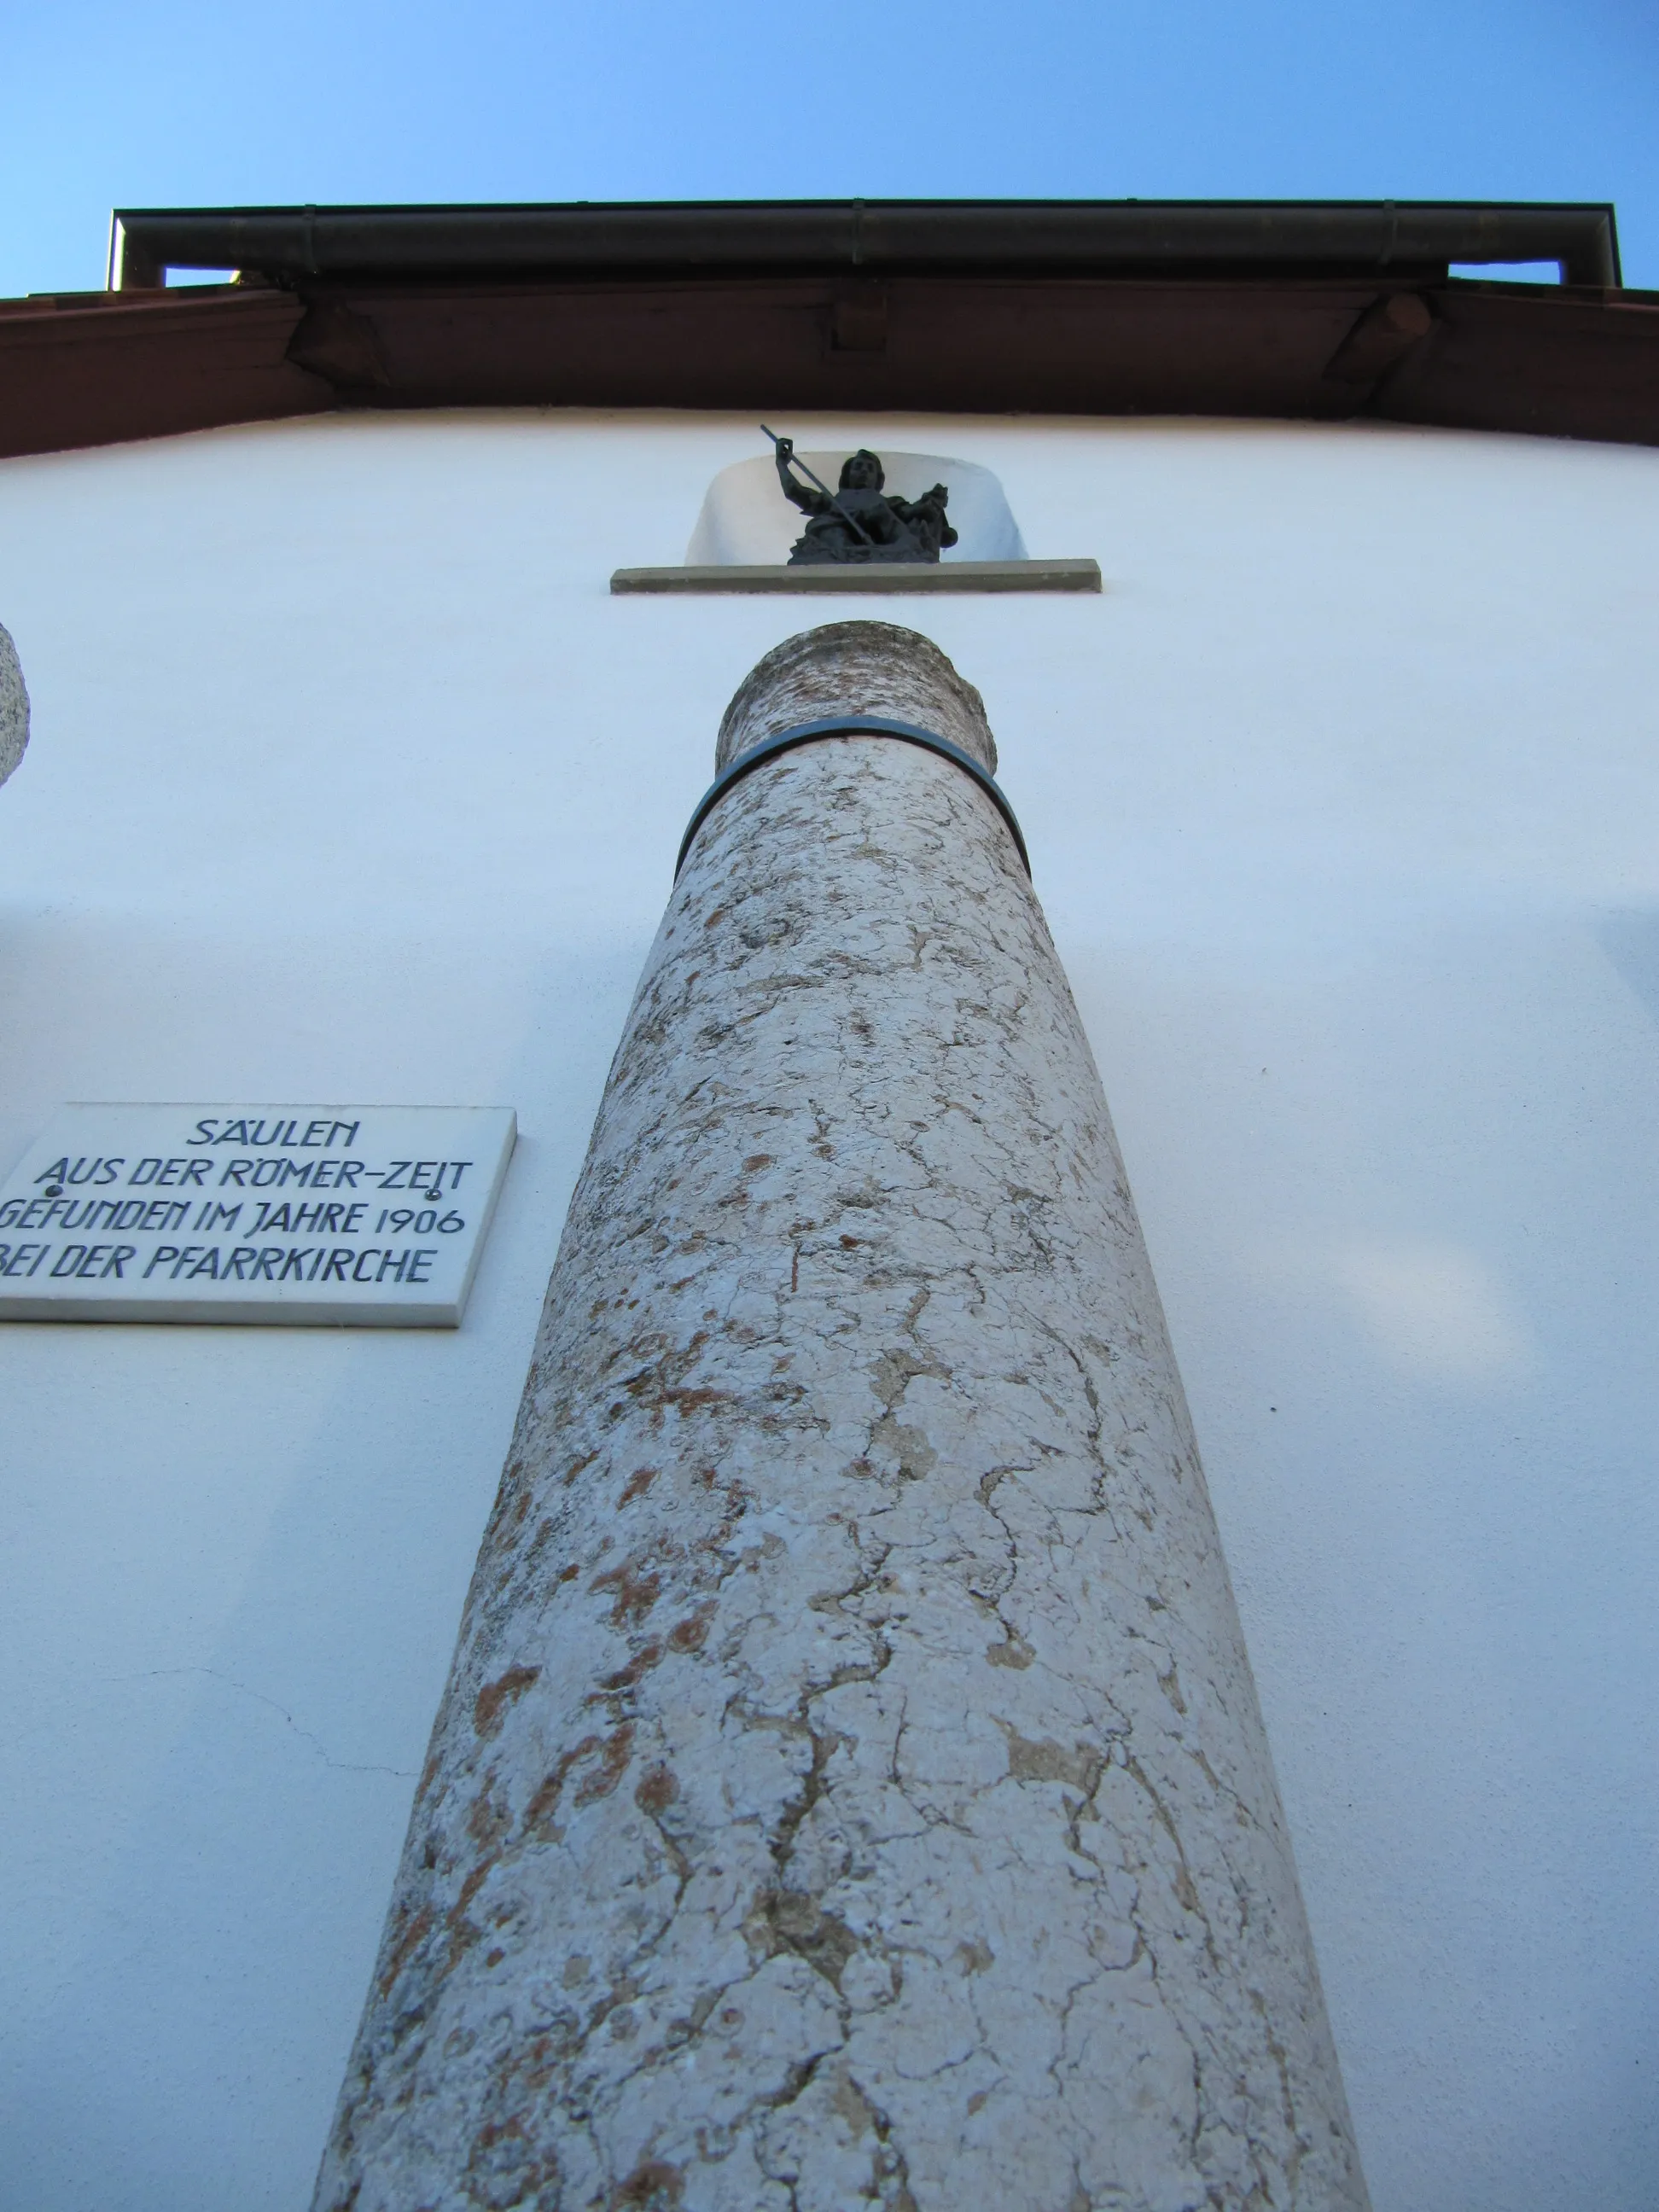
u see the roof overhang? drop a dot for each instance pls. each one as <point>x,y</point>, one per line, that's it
<point>1288,309</point>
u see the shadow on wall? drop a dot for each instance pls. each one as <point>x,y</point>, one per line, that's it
<point>14,707</point>
<point>745,518</point>
<point>1630,937</point>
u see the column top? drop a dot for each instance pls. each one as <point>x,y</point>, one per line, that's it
<point>855,668</point>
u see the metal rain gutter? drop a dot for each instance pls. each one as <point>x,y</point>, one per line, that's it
<point>1238,238</point>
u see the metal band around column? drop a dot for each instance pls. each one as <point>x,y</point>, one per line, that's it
<point>850,726</point>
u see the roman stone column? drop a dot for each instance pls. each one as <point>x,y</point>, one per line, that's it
<point>850,1788</point>
<point>14,707</point>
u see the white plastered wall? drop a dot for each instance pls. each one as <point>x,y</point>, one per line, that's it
<point>348,781</point>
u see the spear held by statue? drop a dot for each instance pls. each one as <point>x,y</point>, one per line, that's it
<point>788,457</point>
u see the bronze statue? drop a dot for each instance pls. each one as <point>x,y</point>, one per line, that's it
<point>859,521</point>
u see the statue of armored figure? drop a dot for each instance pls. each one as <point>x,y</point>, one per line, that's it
<point>859,521</point>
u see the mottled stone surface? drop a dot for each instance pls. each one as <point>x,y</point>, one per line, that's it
<point>14,707</point>
<point>855,668</point>
<point>850,1790</point>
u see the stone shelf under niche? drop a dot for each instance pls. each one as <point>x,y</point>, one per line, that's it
<point>871,577</point>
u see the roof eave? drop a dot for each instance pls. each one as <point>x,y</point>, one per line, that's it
<point>1333,238</point>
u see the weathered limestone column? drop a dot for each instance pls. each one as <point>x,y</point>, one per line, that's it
<point>14,707</point>
<point>850,1789</point>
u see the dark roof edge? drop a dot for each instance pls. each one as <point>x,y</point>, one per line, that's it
<point>1142,236</point>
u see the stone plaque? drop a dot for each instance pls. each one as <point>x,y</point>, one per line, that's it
<point>372,1216</point>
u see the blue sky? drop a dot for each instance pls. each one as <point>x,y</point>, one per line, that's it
<point>183,103</point>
